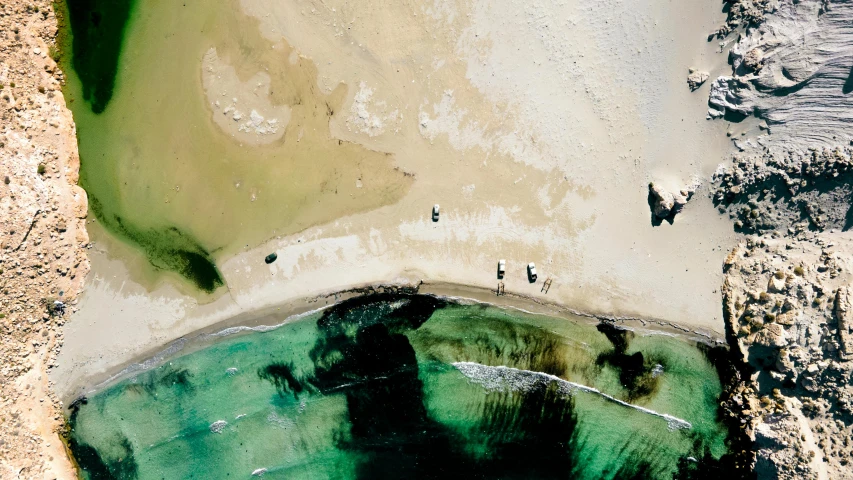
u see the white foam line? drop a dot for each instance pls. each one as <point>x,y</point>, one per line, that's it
<point>266,328</point>
<point>502,377</point>
<point>174,348</point>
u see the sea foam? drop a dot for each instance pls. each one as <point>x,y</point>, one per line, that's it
<point>503,378</point>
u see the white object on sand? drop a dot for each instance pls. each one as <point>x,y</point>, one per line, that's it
<point>531,271</point>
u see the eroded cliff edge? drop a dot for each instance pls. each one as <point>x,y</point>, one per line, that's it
<point>787,288</point>
<point>42,239</point>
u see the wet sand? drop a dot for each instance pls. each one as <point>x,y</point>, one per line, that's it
<point>536,127</point>
<point>204,324</point>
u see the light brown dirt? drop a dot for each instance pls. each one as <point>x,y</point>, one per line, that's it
<point>787,302</point>
<point>42,240</point>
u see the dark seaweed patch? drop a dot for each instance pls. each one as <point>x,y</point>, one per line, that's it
<point>97,33</point>
<point>704,466</point>
<point>532,434</point>
<point>363,354</point>
<point>166,248</point>
<point>98,468</point>
<point>399,312</point>
<point>635,370</point>
<point>281,375</point>
<point>637,464</point>
<point>90,461</point>
<point>176,378</point>
<point>164,377</point>
<point>515,344</point>
<point>386,410</point>
<point>195,266</point>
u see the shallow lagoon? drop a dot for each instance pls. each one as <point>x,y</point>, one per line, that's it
<point>394,386</point>
<point>163,176</point>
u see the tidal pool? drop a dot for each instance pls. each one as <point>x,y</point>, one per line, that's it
<point>407,386</point>
<point>199,137</point>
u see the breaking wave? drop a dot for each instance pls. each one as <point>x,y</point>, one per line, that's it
<point>503,378</point>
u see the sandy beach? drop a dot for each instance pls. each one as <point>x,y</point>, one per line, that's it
<point>180,172</point>
<point>537,128</point>
<point>106,371</point>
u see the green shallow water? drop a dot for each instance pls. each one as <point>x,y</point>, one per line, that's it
<point>163,177</point>
<point>408,386</point>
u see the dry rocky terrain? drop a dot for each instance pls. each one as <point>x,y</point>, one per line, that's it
<point>42,240</point>
<point>787,291</point>
<point>788,303</point>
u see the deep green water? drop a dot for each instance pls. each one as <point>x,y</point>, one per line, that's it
<point>376,387</point>
<point>95,46</point>
<point>92,34</point>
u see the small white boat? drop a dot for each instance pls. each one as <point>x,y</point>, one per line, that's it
<point>531,271</point>
<point>501,268</point>
<point>435,213</point>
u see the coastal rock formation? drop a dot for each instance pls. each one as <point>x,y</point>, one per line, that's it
<point>42,236</point>
<point>794,71</point>
<point>665,204</point>
<point>787,286</point>
<point>791,190</point>
<point>845,322</point>
<point>786,300</point>
<point>663,201</point>
<point>743,13</point>
<point>695,79</point>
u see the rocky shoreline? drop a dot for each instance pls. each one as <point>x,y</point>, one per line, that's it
<point>787,303</point>
<point>42,245</point>
<point>786,294</point>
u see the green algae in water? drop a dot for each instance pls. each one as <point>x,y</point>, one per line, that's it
<point>160,174</point>
<point>374,388</point>
<point>98,28</point>
<point>169,249</point>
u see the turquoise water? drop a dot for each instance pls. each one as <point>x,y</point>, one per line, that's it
<point>397,386</point>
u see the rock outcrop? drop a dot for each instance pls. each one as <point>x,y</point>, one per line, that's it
<point>787,288</point>
<point>794,71</point>
<point>664,201</point>
<point>42,240</point>
<point>695,79</point>
<point>788,191</point>
<point>786,300</point>
<point>743,13</point>
<point>665,204</point>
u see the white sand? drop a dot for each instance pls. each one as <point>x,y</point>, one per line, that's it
<point>537,127</point>
<point>242,109</point>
